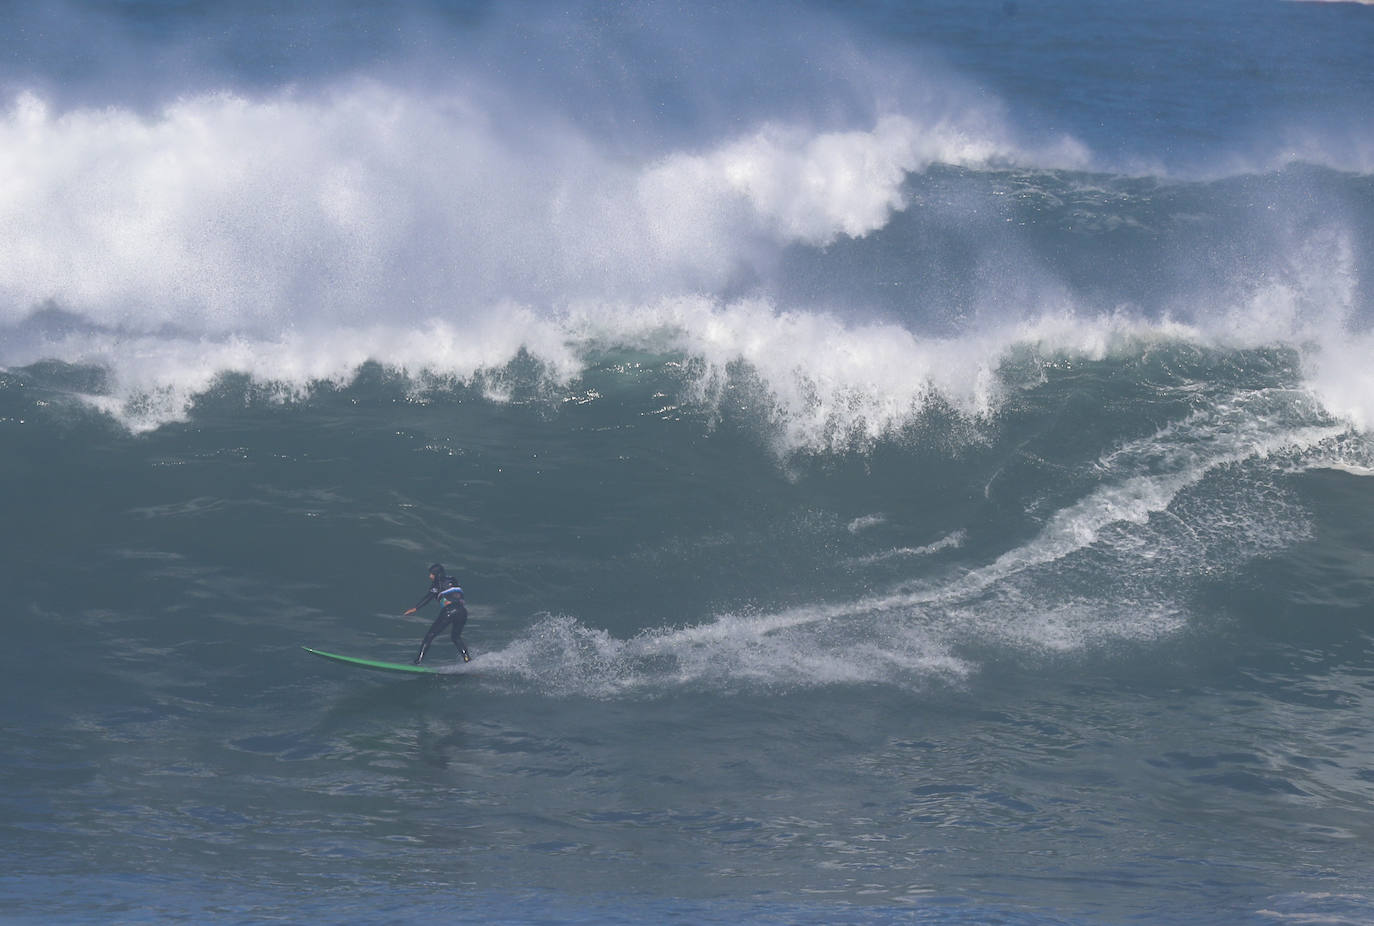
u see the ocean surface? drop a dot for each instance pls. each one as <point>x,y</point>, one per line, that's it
<point>907,462</point>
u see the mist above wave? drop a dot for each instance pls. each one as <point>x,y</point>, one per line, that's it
<point>295,237</point>
<point>448,227</point>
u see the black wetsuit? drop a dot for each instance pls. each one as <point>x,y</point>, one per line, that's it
<point>452,611</point>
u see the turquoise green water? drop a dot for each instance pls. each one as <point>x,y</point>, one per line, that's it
<point>906,463</point>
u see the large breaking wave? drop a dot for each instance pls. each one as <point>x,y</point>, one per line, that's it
<point>883,244</point>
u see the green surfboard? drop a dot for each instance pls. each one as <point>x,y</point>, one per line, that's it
<point>376,664</point>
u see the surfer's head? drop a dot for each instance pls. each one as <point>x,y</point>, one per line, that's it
<point>436,572</point>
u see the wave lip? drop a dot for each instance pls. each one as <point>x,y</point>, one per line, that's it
<point>816,384</point>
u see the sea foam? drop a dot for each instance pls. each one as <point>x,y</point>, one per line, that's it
<point>296,236</point>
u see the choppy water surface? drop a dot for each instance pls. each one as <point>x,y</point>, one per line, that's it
<point>905,463</point>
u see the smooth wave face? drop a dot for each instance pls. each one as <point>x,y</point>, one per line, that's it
<point>905,462</point>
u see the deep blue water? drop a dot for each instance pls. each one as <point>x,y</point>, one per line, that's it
<point>907,462</point>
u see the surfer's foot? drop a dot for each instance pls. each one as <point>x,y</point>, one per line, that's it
<point>466,657</point>
<point>416,661</point>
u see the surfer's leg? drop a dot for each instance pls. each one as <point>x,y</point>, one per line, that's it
<point>460,617</point>
<point>439,624</point>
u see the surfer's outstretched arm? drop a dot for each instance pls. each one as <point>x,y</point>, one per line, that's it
<point>422,602</point>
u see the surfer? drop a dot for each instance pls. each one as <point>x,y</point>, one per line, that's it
<point>451,611</point>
